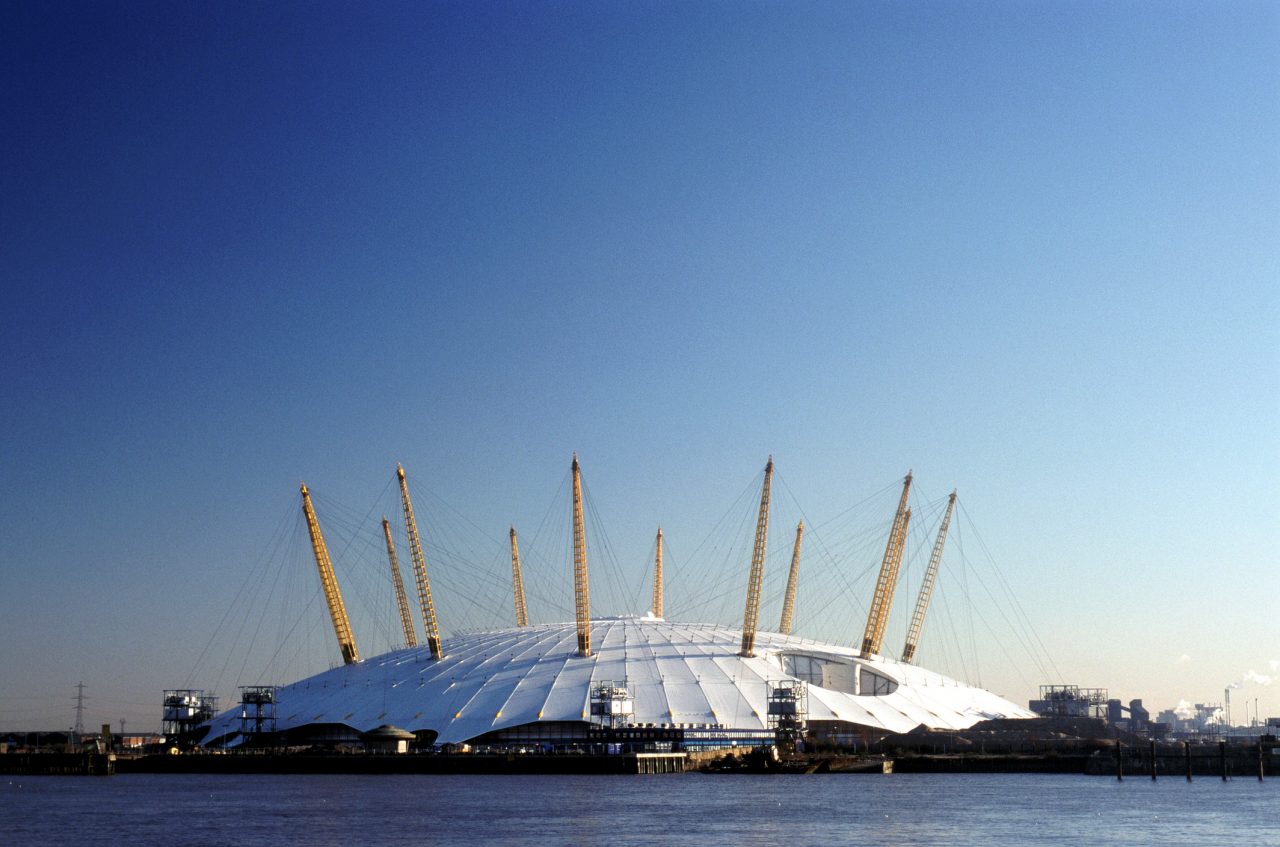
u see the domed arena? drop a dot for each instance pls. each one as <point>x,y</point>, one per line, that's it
<point>621,680</point>
<point>528,685</point>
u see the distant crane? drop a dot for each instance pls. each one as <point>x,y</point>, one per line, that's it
<point>402,602</point>
<point>429,625</point>
<point>657,577</point>
<point>517,582</point>
<point>752,616</point>
<point>329,582</point>
<point>926,587</point>
<point>581,596</point>
<point>789,599</point>
<point>882,600</point>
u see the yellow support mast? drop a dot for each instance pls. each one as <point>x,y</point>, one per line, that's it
<point>882,600</point>
<point>657,578</point>
<point>429,625</point>
<point>926,588</point>
<point>329,582</point>
<point>752,616</point>
<point>789,599</point>
<point>517,582</point>
<point>581,598</point>
<point>402,602</point>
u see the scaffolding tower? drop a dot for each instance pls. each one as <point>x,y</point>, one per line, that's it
<point>257,709</point>
<point>788,711</point>
<point>185,709</point>
<point>611,703</point>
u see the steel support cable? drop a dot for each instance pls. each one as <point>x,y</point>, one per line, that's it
<point>1013,597</point>
<point>295,594</point>
<point>368,585</point>
<point>277,537</point>
<point>723,571</point>
<point>1000,643</point>
<point>541,579</point>
<point>607,556</point>
<point>969,604</point>
<point>861,545</point>
<point>647,570</point>
<point>448,549</point>
<point>356,529</point>
<point>713,579</point>
<point>850,588</point>
<point>733,508</point>
<point>249,608</point>
<point>253,640</point>
<point>944,603</point>
<point>812,530</point>
<point>724,578</point>
<point>1014,629</point>
<point>357,560</point>
<point>530,553</point>
<point>923,541</point>
<point>893,486</point>
<point>303,614</point>
<point>452,553</point>
<point>1019,635</point>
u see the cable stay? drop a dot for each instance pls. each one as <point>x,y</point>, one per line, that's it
<point>926,588</point>
<point>789,599</point>
<point>429,625</point>
<point>332,594</point>
<point>517,582</point>
<point>882,600</point>
<point>402,602</point>
<point>752,614</point>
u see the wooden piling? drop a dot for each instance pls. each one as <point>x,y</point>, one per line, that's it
<point>1153,760</point>
<point>1222,754</point>
<point>1186,746</point>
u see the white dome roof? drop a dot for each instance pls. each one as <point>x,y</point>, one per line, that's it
<point>677,673</point>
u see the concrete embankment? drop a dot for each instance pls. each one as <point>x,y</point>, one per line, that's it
<point>468,763</point>
<point>57,764</point>
<point>999,763</point>
<point>1211,760</point>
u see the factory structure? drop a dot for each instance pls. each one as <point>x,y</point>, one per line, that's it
<point>627,682</point>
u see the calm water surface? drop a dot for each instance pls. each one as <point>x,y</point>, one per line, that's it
<point>693,809</point>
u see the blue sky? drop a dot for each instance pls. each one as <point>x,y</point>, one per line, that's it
<point>1027,250</point>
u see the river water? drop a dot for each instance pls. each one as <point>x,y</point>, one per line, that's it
<point>689,809</point>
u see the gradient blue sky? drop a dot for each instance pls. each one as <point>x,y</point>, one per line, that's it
<point>1029,250</point>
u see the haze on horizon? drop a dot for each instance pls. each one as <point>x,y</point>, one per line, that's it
<point>1027,251</point>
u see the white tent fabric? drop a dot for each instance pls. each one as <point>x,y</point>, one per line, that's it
<point>677,673</point>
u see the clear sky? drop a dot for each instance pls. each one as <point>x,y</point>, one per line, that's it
<point>1029,250</point>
